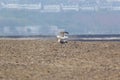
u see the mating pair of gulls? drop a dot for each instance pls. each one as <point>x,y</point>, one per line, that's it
<point>62,37</point>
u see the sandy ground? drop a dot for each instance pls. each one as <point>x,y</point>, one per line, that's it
<point>49,60</point>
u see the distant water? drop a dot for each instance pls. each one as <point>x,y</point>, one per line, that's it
<point>109,37</point>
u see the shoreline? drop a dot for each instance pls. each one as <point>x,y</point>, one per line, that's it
<point>70,39</point>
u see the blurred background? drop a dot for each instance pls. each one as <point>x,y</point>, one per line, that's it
<point>48,17</point>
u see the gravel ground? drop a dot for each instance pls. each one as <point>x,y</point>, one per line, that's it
<point>49,60</point>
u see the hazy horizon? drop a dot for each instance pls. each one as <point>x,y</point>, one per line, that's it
<point>39,17</point>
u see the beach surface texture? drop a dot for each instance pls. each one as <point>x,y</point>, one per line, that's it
<point>49,60</point>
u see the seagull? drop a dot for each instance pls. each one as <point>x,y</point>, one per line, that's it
<point>62,37</point>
